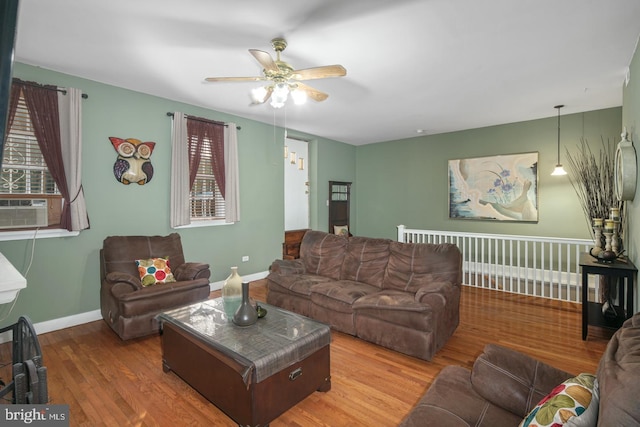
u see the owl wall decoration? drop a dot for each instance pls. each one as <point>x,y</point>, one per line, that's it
<point>134,160</point>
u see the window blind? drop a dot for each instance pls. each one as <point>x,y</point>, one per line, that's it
<point>24,170</point>
<point>206,199</point>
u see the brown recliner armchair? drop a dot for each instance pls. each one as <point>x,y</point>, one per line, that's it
<point>130,308</point>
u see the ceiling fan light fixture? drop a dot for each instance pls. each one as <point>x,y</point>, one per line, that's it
<point>299,96</point>
<point>258,94</point>
<point>279,95</point>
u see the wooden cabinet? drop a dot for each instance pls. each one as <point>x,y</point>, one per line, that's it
<point>291,245</point>
<point>339,205</point>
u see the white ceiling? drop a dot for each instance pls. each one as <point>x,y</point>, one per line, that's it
<point>437,65</point>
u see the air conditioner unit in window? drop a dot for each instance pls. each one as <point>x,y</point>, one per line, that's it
<point>23,213</point>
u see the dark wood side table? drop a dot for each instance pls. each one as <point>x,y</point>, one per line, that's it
<point>623,273</point>
<point>292,241</point>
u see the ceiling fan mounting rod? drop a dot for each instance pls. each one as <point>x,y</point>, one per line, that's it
<point>284,69</point>
<point>279,44</point>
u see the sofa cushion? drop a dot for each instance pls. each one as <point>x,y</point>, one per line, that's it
<point>451,401</point>
<point>566,405</point>
<point>395,307</point>
<point>323,253</point>
<point>366,260</point>
<point>340,295</point>
<point>298,284</point>
<point>413,265</point>
<point>618,374</point>
<point>154,299</point>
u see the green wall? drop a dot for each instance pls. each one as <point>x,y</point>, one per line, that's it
<point>406,181</point>
<point>64,277</point>
<point>331,161</point>
<point>336,163</point>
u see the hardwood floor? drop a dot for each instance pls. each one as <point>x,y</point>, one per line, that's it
<point>109,382</point>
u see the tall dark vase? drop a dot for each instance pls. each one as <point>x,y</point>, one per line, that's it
<point>246,315</point>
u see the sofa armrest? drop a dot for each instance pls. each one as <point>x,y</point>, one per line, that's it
<point>512,380</point>
<point>435,293</point>
<point>116,277</point>
<point>287,267</point>
<point>191,271</point>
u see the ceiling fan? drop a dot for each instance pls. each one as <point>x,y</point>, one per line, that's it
<point>284,79</point>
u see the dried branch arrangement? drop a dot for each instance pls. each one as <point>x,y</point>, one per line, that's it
<point>592,177</point>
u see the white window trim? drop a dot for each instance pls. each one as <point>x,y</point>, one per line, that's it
<point>196,223</point>
<point>36,234</point>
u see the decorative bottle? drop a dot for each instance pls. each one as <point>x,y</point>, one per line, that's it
<point>232,293</point>
<point>246,315</point>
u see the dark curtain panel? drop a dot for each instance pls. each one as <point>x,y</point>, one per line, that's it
<point>196,131</point>
<point>199,133</point>
<point>13,106</point>
<point>42,103</point>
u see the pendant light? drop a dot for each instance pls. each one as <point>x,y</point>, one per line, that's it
<point>559,170</point>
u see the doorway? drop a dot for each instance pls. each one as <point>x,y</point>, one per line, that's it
<point>296,184</point>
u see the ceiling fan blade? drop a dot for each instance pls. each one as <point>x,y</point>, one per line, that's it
<point>265,60</point>
<point>312,93</point>
<point>319,72</point>
<point>234,79</point>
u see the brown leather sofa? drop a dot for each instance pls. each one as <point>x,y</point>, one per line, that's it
<point>130,308</point>
<point>504,385</point>
<point>403,296</point>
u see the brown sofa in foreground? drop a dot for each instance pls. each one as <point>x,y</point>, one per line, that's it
<point>130,308</point>
<point>505,385</point>
<point>403,296</point>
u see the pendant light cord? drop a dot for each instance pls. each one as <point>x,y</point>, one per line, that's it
<point>558,135</point>
<point>559,107</point>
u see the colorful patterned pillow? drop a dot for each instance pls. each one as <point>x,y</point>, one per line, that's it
<point>572,403</point>
<point>154,271</point>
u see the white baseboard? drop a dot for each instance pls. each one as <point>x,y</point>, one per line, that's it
<point>92,316</point>
<point>67,322</point>
<point>56,324</point>
<point>248,278</point>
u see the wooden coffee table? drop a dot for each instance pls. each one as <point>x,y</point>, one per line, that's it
<point>254,373</point>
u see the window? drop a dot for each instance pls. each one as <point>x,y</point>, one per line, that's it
<point>24,175</point>
<point>205,196</point>
<point>204,172</point>
<point>41,173</point>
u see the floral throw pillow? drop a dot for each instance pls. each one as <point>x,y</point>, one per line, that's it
<point>154,271</point>
<point>572,403</point>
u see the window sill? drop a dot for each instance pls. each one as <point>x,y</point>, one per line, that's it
<point>36,234</point>
<point>204,223</point>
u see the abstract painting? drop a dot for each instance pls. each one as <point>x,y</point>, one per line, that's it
<point>499,188</point>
